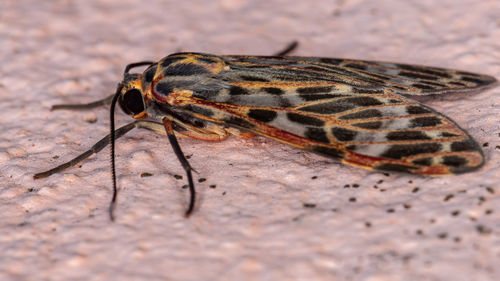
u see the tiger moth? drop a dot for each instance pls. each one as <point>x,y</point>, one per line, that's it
<point>354,111</point>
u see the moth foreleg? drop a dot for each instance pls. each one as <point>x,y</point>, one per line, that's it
<point>184,162</point>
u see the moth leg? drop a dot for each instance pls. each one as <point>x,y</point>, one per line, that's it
<point>202,135</point>
<point>239,133</point>
<point>83,106</point>
<point>184,162</point>
<point>186,131</point>
<point>292,46</point>
<point>153,126</point>
<point>210,132</point>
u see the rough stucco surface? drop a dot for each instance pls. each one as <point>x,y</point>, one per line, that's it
<point>255,223</point>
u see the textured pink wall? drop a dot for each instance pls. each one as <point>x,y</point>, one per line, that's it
<point>253,225</point>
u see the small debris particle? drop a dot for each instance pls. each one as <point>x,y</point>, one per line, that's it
<point>391,210</point>
<point>455,213</point>
<point>448,197</point>
<point>457,239</point>
<point>55,157</point>
<point>488,211</point>
<point>352,199</point>
<point>497,147</point>
<point>355,185</point>
<point>314,177</point>
<point>145,174</point>
<point>212,186</point>
<point>407,206</point>
<point>368,224</point>
<point>347,186</point>
<point>91,119</point>
<point>189,156</point>
<point>442,235</point>
<point>483,229</point>
<point>416,189</point>
<point>482,199</point>
<point>485,144</point>
<point>433,220</point>
<point>309,205</point>
<point>380,181</point>
<point>386,174</point>
<point>178,177</point>
<point>490,190</point>
<point>185,186</point>
<point>410,181</point>
<point>375,186</point>
<point>31,189</point>
<point>224,193</point>
<point>407,258</point>
<point>202,179</point>
<point>419,232</point>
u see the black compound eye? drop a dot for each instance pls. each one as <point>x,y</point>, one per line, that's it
<point>131,102</point>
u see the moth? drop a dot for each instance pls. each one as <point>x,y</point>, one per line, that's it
<point>354,111</point>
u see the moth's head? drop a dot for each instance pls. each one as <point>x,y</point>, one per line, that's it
<point>131,99</point>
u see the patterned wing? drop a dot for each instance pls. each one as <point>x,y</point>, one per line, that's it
<point>343,109</point>
<point>383,131</point>
<point>401,78</point>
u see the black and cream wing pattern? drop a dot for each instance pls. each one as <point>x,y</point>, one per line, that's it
<point>352,110</point>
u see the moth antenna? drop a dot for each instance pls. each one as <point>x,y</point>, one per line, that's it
<point>112,204</point>
<point>83,106</point>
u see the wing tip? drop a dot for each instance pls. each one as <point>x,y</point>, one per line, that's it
<point>484,81</point>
